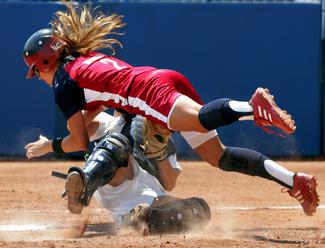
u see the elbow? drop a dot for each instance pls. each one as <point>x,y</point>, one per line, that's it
<point>84,145</point>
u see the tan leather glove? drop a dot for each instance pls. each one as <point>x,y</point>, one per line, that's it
<point>155,139</point>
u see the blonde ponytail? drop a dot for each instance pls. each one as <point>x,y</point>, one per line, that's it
<point>84,30</point>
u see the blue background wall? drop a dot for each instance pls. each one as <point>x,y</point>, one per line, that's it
<point>225,49</point>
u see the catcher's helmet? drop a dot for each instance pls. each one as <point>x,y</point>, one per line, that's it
<point>41,51</point>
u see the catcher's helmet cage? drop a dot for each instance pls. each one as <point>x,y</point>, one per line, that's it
<point>41,51</point>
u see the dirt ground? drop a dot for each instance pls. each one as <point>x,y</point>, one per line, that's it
<point>246,211</point>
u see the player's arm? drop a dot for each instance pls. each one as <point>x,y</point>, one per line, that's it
<point>89,116</point>
<point>77,140</point>
<point>167,173</point>
<point>160,150</point>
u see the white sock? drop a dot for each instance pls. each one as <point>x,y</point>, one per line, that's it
<point>279,172</point>
<point>242,107</point>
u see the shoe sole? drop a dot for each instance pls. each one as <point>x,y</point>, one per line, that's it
<point>74,189</point>
<point>315,197</point>
<point>290,127</point>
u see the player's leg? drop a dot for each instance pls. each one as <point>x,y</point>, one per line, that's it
<point>240,160</point>
<point>111,153</point>
<point>188,115</point>
<point>300,186</point>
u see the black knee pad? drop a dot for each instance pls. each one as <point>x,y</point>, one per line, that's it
<point>211,115</point>
<point>244,161</point>
<point>178,216</point>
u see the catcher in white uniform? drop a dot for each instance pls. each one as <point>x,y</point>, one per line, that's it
<point>127,183</point>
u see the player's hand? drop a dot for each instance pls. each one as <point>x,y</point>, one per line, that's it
<point>155,140</point>
<point>38,148</point>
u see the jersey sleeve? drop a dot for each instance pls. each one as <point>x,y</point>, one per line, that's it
<point>69,96</point>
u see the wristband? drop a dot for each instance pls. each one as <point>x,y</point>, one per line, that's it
<point>56,145</point>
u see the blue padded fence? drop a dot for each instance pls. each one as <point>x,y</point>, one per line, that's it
<point>225,49</point>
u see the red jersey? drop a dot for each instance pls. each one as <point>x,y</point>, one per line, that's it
<point>96,79</point>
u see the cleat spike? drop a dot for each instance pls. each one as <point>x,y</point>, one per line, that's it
<point>275,116</point>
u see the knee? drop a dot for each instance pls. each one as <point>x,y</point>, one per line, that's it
<point>118,146</point>
<point>211,151</point>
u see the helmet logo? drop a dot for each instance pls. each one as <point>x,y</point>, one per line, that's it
<point>56,46</point>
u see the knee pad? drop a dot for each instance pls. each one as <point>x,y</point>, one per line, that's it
<point>118,146</point>
<point>244,161</point>
<point>211,115</point>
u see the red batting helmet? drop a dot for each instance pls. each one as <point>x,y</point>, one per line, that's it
<point>41,51</point>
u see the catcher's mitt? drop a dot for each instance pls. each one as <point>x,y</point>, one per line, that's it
<point>155,140</point>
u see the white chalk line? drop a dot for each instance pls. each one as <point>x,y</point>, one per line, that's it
<point>238,208</point>
<point>23,228</point>
<point>42,227</point>
<point>220,208</point>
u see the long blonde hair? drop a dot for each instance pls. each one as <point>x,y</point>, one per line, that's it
<point>83,29</point>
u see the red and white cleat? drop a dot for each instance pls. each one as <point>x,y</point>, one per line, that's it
<point>267,113</point>
<point>304,191</point>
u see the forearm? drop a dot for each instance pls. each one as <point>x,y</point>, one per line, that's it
<point>77,140</point>
<point>71,144</point>
<point>167,174</point>
<point>68,144</point>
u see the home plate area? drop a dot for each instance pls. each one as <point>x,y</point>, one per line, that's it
<point>246,211</point>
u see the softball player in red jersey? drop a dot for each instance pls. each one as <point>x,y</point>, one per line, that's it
<point>141,90</point>
<point>82,79</point>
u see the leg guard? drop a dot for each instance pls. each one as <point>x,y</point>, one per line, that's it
<point>246,161</point>
<point>109,154</point>
<point>172,215</point>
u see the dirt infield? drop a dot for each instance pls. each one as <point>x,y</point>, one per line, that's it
<point>246,211</point>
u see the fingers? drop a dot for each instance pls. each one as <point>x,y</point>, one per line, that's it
<point>36,149</point>
<point>27,146</point>
<point>30,154</point>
